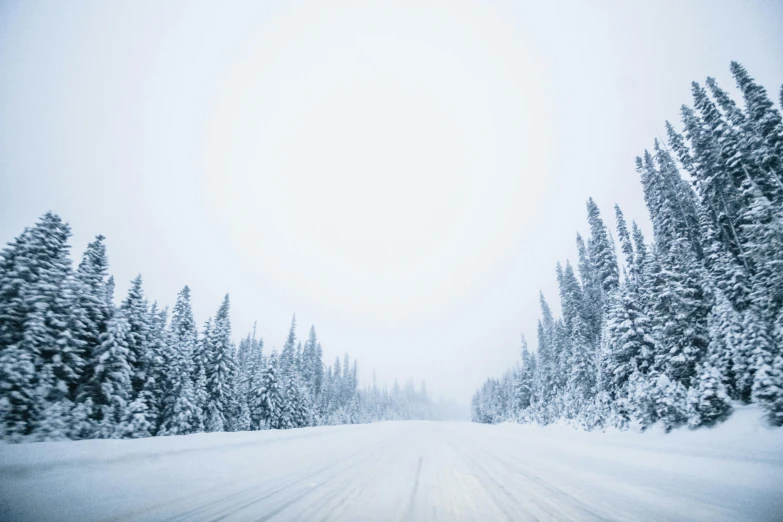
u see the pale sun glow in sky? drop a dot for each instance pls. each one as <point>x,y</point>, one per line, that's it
<point>403,175</point>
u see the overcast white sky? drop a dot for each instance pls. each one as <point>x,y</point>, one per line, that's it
<point>404,175</point>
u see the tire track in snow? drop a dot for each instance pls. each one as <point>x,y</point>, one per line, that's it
<point>217,499</point>
<point>251,495</point>
<point>343,464</point>
<point>342,502</point>
<point>551,491</point>
<point>412,501</point>
<point>508,504</point>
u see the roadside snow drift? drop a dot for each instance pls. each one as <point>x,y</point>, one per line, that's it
<point>409,470</point>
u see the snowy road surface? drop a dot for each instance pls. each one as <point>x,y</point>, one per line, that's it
<point>401,471</point>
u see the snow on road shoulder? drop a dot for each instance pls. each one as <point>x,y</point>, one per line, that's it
<point>745,435</point>
<point>68,453</point>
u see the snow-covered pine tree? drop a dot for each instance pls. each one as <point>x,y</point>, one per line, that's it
<point>221,371</point>
<point>91,308</point>
<point>136,312</point>
<point>112,377</point>
<point>288,354</point>
<point>592,293</point>
<point>601,250</point>
<point>571,298</point>
<point>203,353</point>
<point>40,362</point>
<point>626,244</point>
<point>681,199</point>
<point>295,406</point>
<point>266,400</point>
<point>716,189</point>
<point>681,304</point>
<point>768,389</point>
<point>135,422</point>
<point>153,393</point>
<point>182,412</point>
<point>247,377</point>
<point>708,401</point>
<point>298,358</point>
<point>523,390</point>
<point>629,339</point>
<point>336,386</point>
<point>736,142</point>
<point>640,253</point>
<point>546,389</point>
<point>728,353</point>
<point>319,370</point>
<point>766,128</point>
<point>310,363</point>
<point>81,423</point>
<point>763,228</point>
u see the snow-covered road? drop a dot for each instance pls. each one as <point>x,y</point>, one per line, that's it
<point>401,471</point>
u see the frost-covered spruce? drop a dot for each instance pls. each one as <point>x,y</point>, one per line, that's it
<point>112,377</point>
<point>768,389</point>
<point>311,364</point>
<point>221,372</point>
<point>136,312</point>
<point>135,422</point>
<point>765,124</point>
<point>708,401</point>
<point>267,398</point>
<point>91,309</point>
<point>601,249</point>
<point>40,362</point>
<point>288,354</point>
<point>156,360</point>
<point>626,244</point>
<point>182,412</point>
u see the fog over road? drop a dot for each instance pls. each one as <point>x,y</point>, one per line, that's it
<point>408,470</point>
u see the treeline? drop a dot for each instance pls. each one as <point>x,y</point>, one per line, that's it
<point>75,366</point>
<point>682,328</point>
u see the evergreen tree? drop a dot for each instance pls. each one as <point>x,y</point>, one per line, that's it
<point>592,293</point>
<point>768,389</point>
<point>266,400</point>
<point>112,377</point>
<point>626,245</point>
<point>523,390</point>
<point>221,402</point>
<point>135,422</point>
<point>766,128</point>
<point>681,306</point>
<point>295,406</point>
<point>601,250</point>
<point>136,312</point>
<point>288,355</point>
<point>40,361</point>
<point>629,340</point>
<point>182,410</point>
<point>640,253</point>
<point>708,401</point>
<point>310,362</point>
<point>153,394</point>
<point>319,370</point>
<point>92,308</point>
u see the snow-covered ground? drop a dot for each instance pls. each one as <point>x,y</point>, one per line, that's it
<point>411,470</point>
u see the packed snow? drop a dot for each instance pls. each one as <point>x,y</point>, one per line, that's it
<point>405,470</point>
